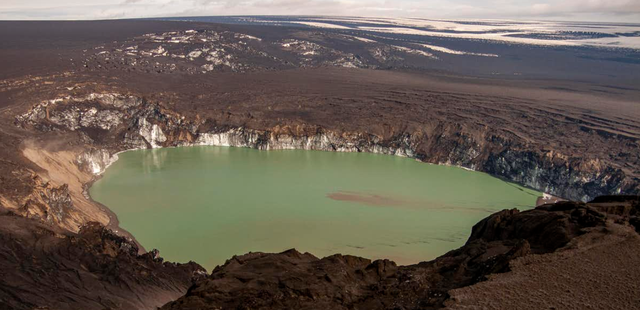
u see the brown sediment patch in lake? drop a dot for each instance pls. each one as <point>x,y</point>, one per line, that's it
<point>370,199</point>
<point>378,200</point>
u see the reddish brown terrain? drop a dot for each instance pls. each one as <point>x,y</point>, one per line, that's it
<point>73,94</point>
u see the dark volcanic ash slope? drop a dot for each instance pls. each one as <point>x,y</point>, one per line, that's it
<point>42,266</point>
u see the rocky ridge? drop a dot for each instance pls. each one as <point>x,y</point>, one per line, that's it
<point>294,280</point>
<point>202,51</point>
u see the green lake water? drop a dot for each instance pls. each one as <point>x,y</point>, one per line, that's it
<point>209,203</point>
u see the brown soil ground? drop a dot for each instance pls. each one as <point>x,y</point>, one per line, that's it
<point>598,271</point>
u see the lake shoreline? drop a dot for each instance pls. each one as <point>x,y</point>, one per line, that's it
<point>327,160</point>
<point>114,223</point>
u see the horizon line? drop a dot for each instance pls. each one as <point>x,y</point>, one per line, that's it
<point>308,15</point>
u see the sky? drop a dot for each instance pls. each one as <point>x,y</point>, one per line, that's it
<point>582,10</point>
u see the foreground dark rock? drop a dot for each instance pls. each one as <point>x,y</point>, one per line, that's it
<point>94,269</point>
<point>622,208</point>
<point>292,280</point>
<point>41,266</point>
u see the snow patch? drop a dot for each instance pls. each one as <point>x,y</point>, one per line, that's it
<point>454,52</point>
<point>322,25</point>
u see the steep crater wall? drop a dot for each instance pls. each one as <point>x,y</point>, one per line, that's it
<point>112,123</point>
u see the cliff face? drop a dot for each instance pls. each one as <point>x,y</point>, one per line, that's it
<point>549,172</point>
<point>94,269</point>
<point>47,203</point>
<point>110,123</point>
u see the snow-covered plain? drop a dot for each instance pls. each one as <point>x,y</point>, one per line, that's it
<point>547,33</point>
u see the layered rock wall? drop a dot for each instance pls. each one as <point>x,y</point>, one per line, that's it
<point>132,123</point>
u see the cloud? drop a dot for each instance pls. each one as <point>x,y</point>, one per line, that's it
<point>602,10</point>
<point>591,6</point>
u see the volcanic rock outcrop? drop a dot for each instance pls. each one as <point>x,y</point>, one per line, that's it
<point>45,267</point>
<point>293,280</point>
